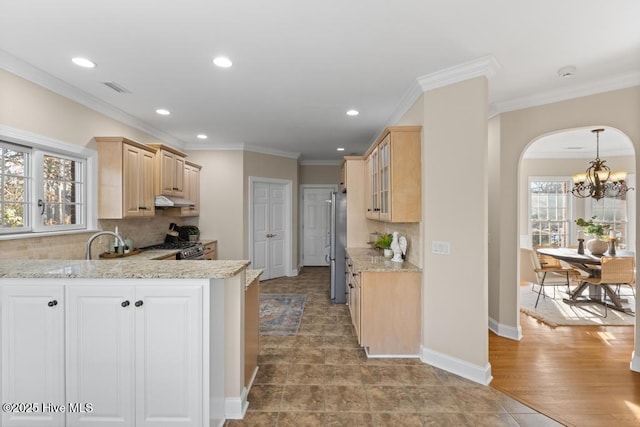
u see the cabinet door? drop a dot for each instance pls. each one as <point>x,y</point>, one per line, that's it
<point>384,179</point>
<point>178,180</point>
<point>131,180</point>
<point>372,185</point>
<point>32,353</point>
<point>137,186</point>
<point>191,190</point>
<point>146,177</point>
<point>167,172</point>
<point>168,365</point>
<point>100,354</point>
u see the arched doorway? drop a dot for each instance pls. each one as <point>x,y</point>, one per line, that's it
<point>547,207</point>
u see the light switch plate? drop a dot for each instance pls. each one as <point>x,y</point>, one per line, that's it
<point>441,248</point>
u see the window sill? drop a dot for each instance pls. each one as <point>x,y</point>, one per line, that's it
<point>44,234</point>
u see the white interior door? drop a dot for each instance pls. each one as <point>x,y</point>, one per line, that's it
<point>315,225</point>
<point>270,225</point>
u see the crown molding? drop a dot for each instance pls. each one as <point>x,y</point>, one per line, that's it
<point>35,75</point>
<point>242,147</point>
<point>485,66</point>
<point>619,82</point>
<point>320,162</point>
<point>216,147</point>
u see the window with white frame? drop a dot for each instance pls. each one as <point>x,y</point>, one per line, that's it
<point>549,211</point>
<point>611,211</point>
<point>42,190</point>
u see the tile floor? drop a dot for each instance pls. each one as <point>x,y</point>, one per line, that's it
<point>321,377</point>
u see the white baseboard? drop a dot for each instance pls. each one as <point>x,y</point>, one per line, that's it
<point>635,362</point>
<point>479,374</point>
<point>294,272</point>
<point>236,407</point>
<point>505,331</point>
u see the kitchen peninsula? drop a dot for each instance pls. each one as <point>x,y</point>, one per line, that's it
<point>141,341</point>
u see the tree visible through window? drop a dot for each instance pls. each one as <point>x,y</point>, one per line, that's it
<point>15,181</point>
<point>62,185</point>
<point>549,212</point>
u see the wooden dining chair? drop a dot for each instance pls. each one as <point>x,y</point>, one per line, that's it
<point>615,271</point>
<point>551,274</point>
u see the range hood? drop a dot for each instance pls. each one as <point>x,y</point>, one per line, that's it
<point>171,202</point>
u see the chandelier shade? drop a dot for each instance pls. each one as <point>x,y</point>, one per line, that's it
<point>598,181</point>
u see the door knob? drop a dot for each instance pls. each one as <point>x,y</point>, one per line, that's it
<point>138,303</point>
<point>125,303</point>
<point>52,303</point>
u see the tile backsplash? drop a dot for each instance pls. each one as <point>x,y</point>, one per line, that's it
<point>143,231</point>
<point>411,231</point>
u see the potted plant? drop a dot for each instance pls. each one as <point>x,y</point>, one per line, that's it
<point>596,246</point>
<point>384,242</point>
<point>194,234</point>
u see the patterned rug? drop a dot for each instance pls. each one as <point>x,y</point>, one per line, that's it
<point>554,312</point>
<point>280,314</point>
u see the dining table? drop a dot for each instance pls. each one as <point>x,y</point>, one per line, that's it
<point>590,265</point>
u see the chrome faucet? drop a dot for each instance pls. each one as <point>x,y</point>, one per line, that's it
<point>87,253</point>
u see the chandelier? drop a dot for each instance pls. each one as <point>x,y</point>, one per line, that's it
<point>598,181</point>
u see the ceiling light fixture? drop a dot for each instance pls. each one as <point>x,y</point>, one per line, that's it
<point>340,149</point>
<point>222,62</point>
<point>598,181</point>
<point>202,136</point>
<point>567,72</point>
<point>83,62</point>
<point>163,112</point>
<point>353,113</point>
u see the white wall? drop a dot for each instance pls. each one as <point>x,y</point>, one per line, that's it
<point>455,195</point>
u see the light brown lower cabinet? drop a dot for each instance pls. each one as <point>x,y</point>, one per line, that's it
<point>386,311</point>
<point>251,329</point>
<point>211,251</point>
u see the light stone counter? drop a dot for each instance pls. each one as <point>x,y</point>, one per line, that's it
<point>251,275</point>
<point>366,259</point>
<point>122,268</point>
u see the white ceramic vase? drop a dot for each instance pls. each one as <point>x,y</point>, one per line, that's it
<point>597,246</point>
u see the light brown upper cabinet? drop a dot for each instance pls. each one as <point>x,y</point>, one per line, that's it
<point>394,175</point>
<point>191,192</point>
<point>125,178</point>
<point>169,170</point>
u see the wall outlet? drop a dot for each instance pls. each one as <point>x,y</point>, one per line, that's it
<point>441,248</point>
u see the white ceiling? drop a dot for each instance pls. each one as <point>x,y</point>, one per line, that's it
<point>298,66</point>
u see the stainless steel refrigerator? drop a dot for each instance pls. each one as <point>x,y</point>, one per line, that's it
<point>337,243</point>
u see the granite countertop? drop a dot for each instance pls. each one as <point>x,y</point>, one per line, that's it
<point>251,275</point>
<point>366,259</point>
<point>122,268</point>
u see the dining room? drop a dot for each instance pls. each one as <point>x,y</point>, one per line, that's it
<point>577,319</point>
<point>558,209</point>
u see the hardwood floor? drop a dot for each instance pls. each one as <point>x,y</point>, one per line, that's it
<point>577,375</point>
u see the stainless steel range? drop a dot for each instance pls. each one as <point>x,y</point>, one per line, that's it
<point>186,250</point>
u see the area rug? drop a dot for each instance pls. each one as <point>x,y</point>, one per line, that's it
<point>280,314</point>
<point>555,312</point>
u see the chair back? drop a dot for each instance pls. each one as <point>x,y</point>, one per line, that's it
<point>617,270</point>
<point>547,261</point>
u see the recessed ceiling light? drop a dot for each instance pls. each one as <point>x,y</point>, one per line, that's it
<point>163,112</point>
<point>83,62</point>
<point>222,62</point>
<point>340,149</point>
<point>353,113</point>
<point>567,72</point>
<point>202,136</point>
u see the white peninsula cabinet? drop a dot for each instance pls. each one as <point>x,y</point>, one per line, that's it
<point>119,343</point>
